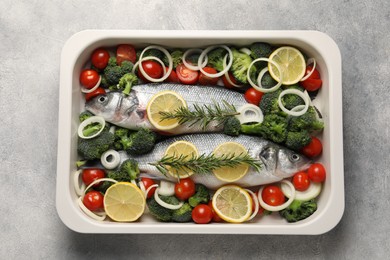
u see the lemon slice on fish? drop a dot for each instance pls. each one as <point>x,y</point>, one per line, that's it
<point>231,174</point>
<point>181,148</point>
<point>124,202</point>
<point>291,62</point>
<point>232,204</point>
<point>164,101</point>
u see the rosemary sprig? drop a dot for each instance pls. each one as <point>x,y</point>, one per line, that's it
<point>204,164</point>
<point>202,114</point>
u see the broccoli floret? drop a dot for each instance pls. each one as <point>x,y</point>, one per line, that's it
<point>251,129</point>
<point>118,175</point>
<point>241,62</point>
<point>267,81</point>
<point>297,140</point>
<point>274,128</point>
<point>182,214</point>
<point>84,115</point>
<point>135,142</point>
<point>308,121</point>
<point>125,83</point>
<point>177,56</point>
<point>93,148</point>
<point>92,129</point>
<point>260,50</point>
<point>202,195</point>
<point>113,72</point>
<point>269,103</point>
<point>232,126</point>
<point>130,167</point>
<point>215,58</point>
<point>154,53</point>
<point>158,211</point>
<point>290,100</point>
<point>298,210</point>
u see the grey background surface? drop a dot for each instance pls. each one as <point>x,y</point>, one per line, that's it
<point>32,34</point>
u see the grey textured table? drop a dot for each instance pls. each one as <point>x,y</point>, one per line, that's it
<point>32,34</point>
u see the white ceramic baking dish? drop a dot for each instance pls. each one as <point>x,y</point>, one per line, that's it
<point>76,54</point>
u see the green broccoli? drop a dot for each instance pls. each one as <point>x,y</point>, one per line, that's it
<point>92,129</point>
<point>232,126</point>
<point>251,129</point>
<point>241,62</point>
<point>260,50</point>
<point>308,121</point>
<point>130,167</point>
<point>267,81</point>
<point>183,214</point>
<point>93,148</point>
<point>84,115</point>
<point>154,53</point>
<point>274,128</point>
<point>215,58</point>
<point>135,142</point>
<point>202,195</point>
<point>113,72</point>
<point>297,140</point>
<point>127,171</point>
<point>176,58</point>
<point>269,103</point>
<point>298,210</point>
<point>158,211</point>
<point>290,100</point>
<point>125,83</point>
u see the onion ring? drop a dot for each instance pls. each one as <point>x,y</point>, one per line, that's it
<point>170,62</point>
<point>90,120</point>
<point>204,54</point>
<point>280,207</point>
<point>265,90</point>
<point>299,93</point>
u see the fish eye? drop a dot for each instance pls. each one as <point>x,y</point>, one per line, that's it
<point>294,157</point>
<point>102,99</point>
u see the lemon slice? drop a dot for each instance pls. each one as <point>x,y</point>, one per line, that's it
<point>292,64</point>
<point>230,174</point>
<point>164,101</point>
<point>232,203</point>
<point>181,148</point>
<point>124,202</point>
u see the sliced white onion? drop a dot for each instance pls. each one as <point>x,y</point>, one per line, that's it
<point>142,187</point>
<point>149,189</point>
<point>204,54</point>
<point>299,93</point>
<point>86,91</point>
<point>227,74</point>
<point>311,193</point>
<point>250,113</point>
<point>170,63</point>
<point>309,61</point>
<point>79,188</point>
<point>112,129</point>
<point>280,207</point>
<point>98,181</point>
<point>164,204</point>
<point>261,74</point>
<point>95,215</point>
<point>167,188</point>
<point>246,51</point>
<point>143,71</point>
<point>110,159</point>
<point>90,120</point>
<point>256,201</point>
<point>189,65</point>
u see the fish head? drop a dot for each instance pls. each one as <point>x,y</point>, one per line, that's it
<point>289,162</point>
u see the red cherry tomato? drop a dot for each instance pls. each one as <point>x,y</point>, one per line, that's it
<point>226,83</point>
<point>317,172</point>
<point>100,58</point>
<point>202,214</point>
<point>97,92</point>
<point>215,218</point>
<point>273,195</point>
<point>172,77</point>
<point>206,80</point>
<point>89,78</point>
<point>147,183</point>
<point>125,52</point>
<point>301,181</point>
<point>91,174</point>
<point>93,200</point>
<point>313,82</point>
<point>186,75</point>
<point>313,149</point>
<point>253,96</point>
<point>184,189</point>
<point>152,68</point>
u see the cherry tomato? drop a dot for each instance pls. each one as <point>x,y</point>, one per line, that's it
<point>253,96</point>
<point>226,83</point>
<point>93,200</point>
<point>184,189</point>
<point>152,68</point>
<point>125,52</point>
<point>313,82</point>
<point>313,149</point>
<point>147,183</point>
<point>202,214</point>
<point>206,80</point>
<point>172,77</point>
<point>317,172</point>
<point>97,92</point>
<point>273,195</point>
<point>215,218</point>
<point>89,78</point>
<point>301,181</point>
<point>91,174</point>
<point>185,75</point>
<point>100,58</point>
